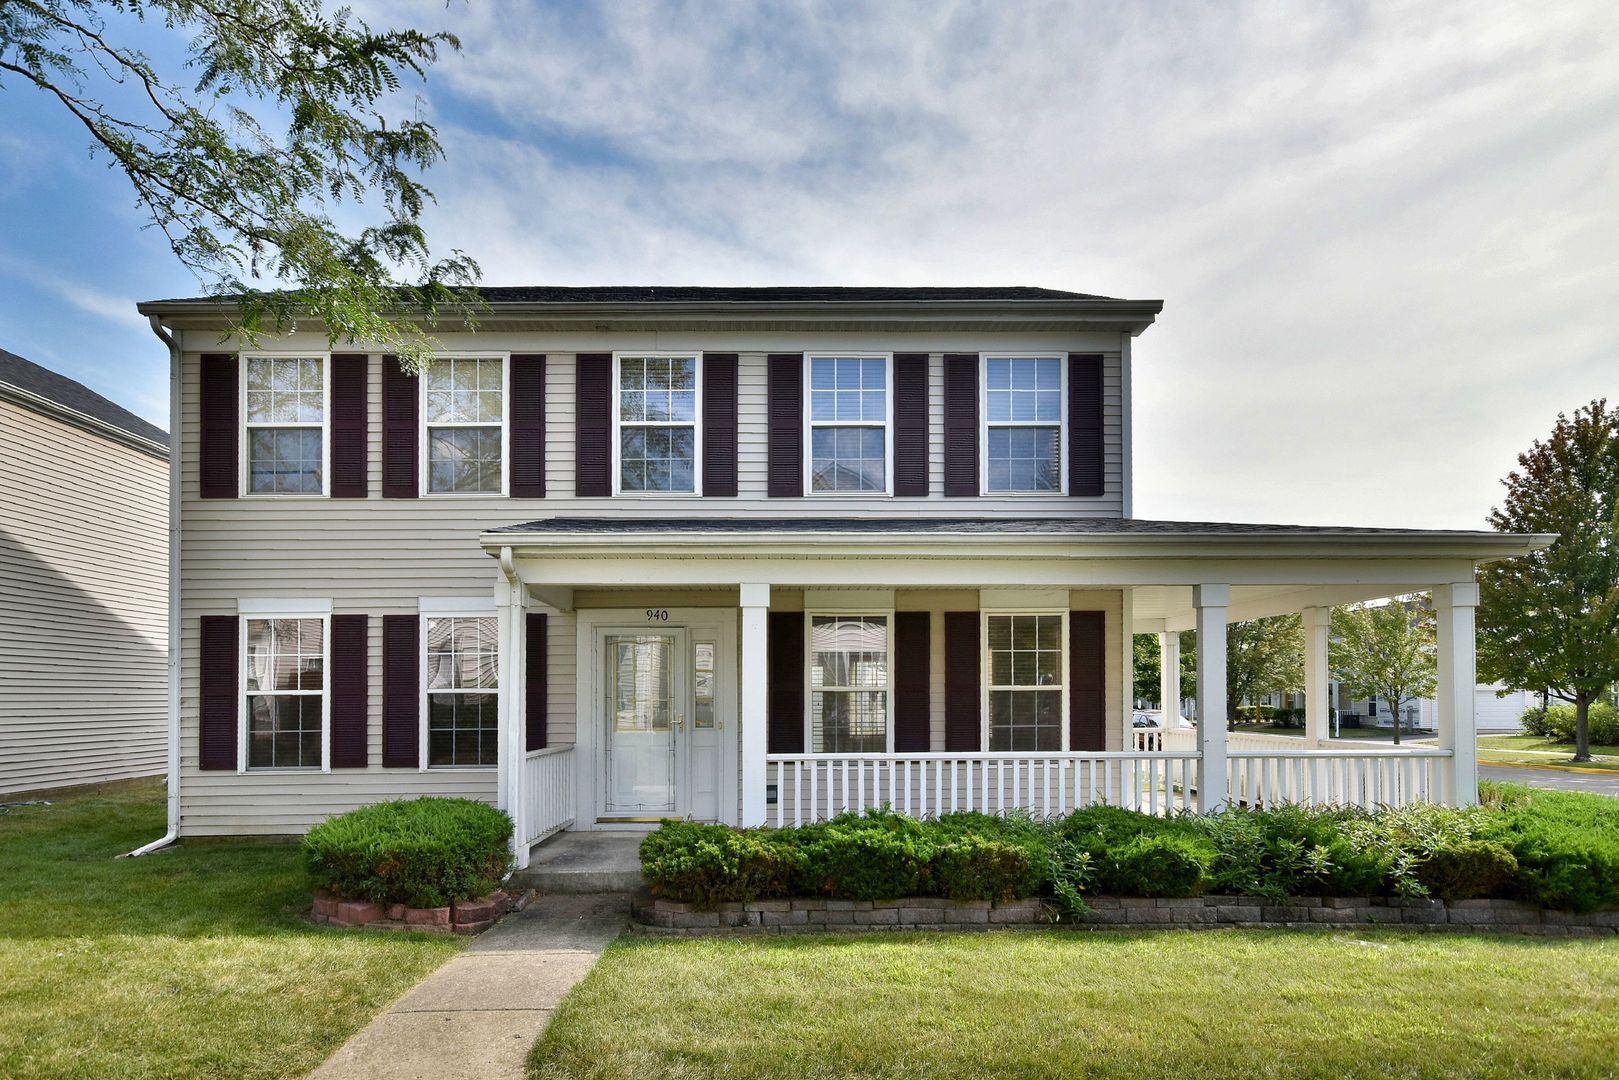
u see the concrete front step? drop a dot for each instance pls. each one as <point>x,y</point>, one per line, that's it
<point>574,863</point>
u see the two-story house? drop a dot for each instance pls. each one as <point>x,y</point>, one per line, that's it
<point>750,555</point>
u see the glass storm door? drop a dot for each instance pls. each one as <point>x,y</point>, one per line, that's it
<point>646,712</point>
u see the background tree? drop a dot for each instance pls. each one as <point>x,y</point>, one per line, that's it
<point>1550,621</point>
<point>1147,666</point>
<point>1386,651</point>
<point>247,208</point>
<point>1263,656</point>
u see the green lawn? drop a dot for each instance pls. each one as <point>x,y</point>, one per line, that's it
<point>190,962</point>
<point>1183,1004</point>
<point>1538,750</point>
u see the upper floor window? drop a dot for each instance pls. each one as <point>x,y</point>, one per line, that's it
<point>285,422</point>
<point>849,684</point>
<point>848,424</point>
<point>657,415</point>
<point>464,412</point>
<point>1025,683</point>
<point>462,685</point>
<point>284,680</point>
<point>1023,402</point>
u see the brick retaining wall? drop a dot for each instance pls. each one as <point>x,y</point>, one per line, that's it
<point>1202,912</point>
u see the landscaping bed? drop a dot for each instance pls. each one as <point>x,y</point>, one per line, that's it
<point>1522,853</point>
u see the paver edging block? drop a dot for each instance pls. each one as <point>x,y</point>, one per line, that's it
<point>461,917</point>
<point>817,915</point>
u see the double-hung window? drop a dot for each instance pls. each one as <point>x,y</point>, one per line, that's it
<point>284,681</point>
<point>462,686</point>
<point>464,413</point>
<point>849,684</point>
<point>849,408</point>
<point>284,417</point>
<point>658,412</point>
<point>1025,684</point>
<point>1023,404</point>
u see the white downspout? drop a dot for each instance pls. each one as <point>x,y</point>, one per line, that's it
<point>174,592</point>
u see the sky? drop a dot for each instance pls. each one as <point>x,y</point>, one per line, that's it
<point>1386,235</point>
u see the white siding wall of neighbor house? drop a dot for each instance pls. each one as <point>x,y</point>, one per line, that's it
<point>378,556</point>
<point>83,605</point>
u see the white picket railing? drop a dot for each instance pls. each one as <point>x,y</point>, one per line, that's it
<point>547,792</point>
<point>801,788</point>
<point>1365,778</point>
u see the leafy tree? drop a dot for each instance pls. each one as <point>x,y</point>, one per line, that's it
<point>1550,620</point>
<point>1387,651</point>
<point>247,208</point>
<point>1147,665</point>
<point>1263,656</point>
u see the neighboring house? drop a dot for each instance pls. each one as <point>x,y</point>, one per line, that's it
<point>1496,710</point>
<point>83,585</point>
<point>740,554</point>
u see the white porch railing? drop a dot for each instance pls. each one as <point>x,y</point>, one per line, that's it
<point>1366,778</point>
<point>547,792</point>
<point>807,787</point>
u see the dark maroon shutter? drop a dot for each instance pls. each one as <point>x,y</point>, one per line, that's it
<point>910,423</point>
<point>401,448</point>
<point>401,692</point>
<point>719,424</point>
<point>911,682</point>
<point>593,425</point>
<point>536,691</point>
<point>351,690</point>
<point>786,421</point>
<point>961,424</point>
<point>786,683</point>
<point>963,718</point>
<point>219,687</point>
<point>526,421</point>
<point>1085,476</point>
<point>1087,681</point>
<point>220,450</point>
<point>350,425</point>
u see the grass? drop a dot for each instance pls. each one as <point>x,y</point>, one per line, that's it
<point>1538,750</point>
<point>1185,1004</point>
<point>189,962</point>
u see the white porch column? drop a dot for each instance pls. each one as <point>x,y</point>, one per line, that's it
<point>1317,706</point>
<point>1169,679</point>
<point>1210,602</point>
<point>509,792</point>
<point>755,699</point>
<point>1454,701</point>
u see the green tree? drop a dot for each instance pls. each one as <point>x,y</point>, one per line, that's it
<point>1147,665</point>
<point>1387,651</point>
<point>1550,620</point>
<point>1263,656</point>
<point>241,164</point>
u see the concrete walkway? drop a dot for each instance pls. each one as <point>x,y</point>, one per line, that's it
<point>476,1017</point>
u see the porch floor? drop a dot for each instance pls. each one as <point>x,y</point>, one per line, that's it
<point>584,862</point>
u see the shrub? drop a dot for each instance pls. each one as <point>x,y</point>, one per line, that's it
<point>1536,722</point>
<point>710,864</point>
<point>421,852</point>
<point>879,855</point>
<point>982,868</point>
<point>1290,851</point>
<point>1467,869</point>
<point>1557,723</point>
<point>1566,844</point>
<point>1164,865</point>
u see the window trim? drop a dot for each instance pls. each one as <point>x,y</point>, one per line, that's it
<point>427,613</point>
<point>984,425</point>
<point>833,611</point>
<point>616,438</point>
<point>424,426</point>
<point>985,681</point>
<point>244,473</point>
<point>270,611</point>
<point>811,424</point>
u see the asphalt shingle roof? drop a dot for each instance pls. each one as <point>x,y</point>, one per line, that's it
<point>43,382</point>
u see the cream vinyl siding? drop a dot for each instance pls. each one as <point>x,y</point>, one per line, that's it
<point>83,605</point>
<point>377,556</point>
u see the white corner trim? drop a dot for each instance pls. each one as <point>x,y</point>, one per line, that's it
<point>1022,600</point>
<point>272,605</point>
<point>482,604</point>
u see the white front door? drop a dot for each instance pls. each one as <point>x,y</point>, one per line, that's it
<point>647,705</point>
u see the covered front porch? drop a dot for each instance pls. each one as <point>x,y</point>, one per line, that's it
<point>697,670</point>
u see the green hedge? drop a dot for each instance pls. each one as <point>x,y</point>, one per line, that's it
<point>1558,849</point>
<point>1557,723</point>
<point>420,852</point>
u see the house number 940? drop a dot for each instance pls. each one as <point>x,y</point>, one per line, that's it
<point>657,614</point>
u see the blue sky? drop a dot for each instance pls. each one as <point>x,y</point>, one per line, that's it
<point>1387,235</point>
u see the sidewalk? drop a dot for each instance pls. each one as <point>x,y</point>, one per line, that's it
<point>477,1016</point>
